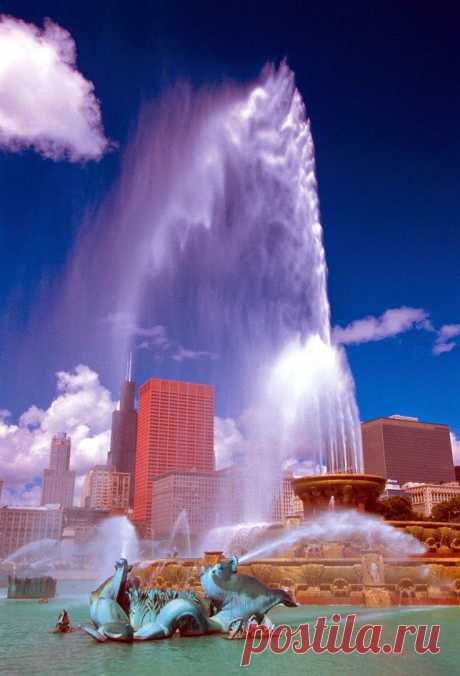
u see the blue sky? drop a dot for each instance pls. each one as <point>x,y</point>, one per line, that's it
<point>380,81</point>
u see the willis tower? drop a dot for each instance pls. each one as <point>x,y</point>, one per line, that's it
<point>122,455</point>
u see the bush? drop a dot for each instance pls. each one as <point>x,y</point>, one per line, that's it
<point>397,508</point>
<point>447,511</point>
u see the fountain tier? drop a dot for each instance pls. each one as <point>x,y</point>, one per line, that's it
<point>343,490</point>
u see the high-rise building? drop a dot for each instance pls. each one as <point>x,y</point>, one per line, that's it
<point>175,431</point>
<point>194,493</point>
<point>60,453</point>
<point>285,501</point>
<point>58,480</point>
<point>104,488</point>
<point>1,490</point>
<point>210,499</point>
<point>82,521</point>
<point>122,455</point>
<point>21,525</point>
<point>405,449</point>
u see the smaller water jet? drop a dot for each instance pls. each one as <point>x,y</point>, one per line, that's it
<point>113,537</point>
<point>95,555</point>
<point>237,538</point>
<point>30,551</point>
<point>341,527</point>
<point>181,526</point>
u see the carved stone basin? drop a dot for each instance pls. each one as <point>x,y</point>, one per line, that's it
<point>359,491</point>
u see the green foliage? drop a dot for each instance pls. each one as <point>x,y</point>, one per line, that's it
<point>447,511</point>
<point>396,508</point>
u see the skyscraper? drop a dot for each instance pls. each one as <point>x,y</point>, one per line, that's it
<point>195,494</point>
<point>58,479</point>
<point>122,455</point>
<point>406,449</point>
<point>104,488</point>
<point>21,525</point>
<point>175,432</point>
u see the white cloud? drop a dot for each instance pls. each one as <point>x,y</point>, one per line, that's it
<point>393,322</point>
<point>82,408</point>
<point>444,342</point>
<point>45,102</point>
<point>125,323</point>
<point>298,467</point>
<point>390,323</point>
<point>229,442</point>
<point>155,339</point>
<point>182,354</point>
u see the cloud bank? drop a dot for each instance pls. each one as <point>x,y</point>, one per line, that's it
<point>45,102</point>
<point>82,408</point>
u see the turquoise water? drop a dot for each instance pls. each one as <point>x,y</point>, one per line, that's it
<point>28,647</point>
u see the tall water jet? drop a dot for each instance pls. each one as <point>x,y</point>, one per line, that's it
<point>218,207</point>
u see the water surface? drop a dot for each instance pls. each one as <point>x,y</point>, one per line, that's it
<point>28,648</point>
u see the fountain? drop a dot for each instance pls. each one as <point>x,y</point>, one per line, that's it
<point>64,559</point>
<point>233,199</point>
<point>225,195</point>
<point>31,588</point>
<point>345,490</point>
<point>180,526</point>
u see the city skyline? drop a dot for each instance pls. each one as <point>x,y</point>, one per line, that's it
<point>228,447</point>
<point>391,234</point>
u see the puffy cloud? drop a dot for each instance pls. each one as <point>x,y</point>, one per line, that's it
<point>83,408</point>
<point>395,321</point>
<point>298,467</point>
<point>444,342</point>
<point>390,323</point>
<point>45,102</point>
<point>229,442</point>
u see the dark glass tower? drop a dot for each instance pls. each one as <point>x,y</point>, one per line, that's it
<point>122,455</point>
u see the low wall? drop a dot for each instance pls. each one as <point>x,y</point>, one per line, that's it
<point>369,580</point>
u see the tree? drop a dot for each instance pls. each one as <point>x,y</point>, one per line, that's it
<point>447,511</point>
<point>396,508</point>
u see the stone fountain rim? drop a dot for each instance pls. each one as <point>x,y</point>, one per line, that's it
<point>338,477</point>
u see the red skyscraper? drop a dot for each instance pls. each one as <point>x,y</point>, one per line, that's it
<point>175,431</point>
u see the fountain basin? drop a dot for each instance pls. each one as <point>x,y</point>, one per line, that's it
<point>322,581</point>
<point>347,490</point>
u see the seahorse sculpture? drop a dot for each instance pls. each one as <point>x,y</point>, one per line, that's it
<point>120,611</point>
